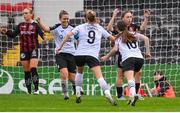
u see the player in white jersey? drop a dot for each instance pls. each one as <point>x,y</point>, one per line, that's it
<point>87,52</point>
<point>132,59</point>
<point>65,60</point>
<point>127,17</point>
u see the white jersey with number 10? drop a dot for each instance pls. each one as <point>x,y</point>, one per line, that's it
<point>130,49</point>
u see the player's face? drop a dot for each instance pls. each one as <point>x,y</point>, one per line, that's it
<point>27,15</point>
<point>127,18</point>
<point>64,20</point>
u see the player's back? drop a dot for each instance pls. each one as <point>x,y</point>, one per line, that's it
<point>89,39</point>
<point>130,49</point>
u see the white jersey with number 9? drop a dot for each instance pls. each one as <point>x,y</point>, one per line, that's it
<point>89,39</point>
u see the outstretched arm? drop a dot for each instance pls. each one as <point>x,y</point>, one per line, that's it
<point>147,45</point>
<point>111,53</point>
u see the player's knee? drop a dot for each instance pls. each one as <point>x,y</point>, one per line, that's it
<point>64,73</point>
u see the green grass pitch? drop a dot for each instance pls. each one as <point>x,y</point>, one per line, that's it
<point>22,102</point>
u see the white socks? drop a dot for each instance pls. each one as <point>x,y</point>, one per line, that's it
<point>103,84</point>
<point>131,86</point>
<point>78,82</point>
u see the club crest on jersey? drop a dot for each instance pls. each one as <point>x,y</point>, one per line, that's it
<point>61,36</point>
<point>31,27</point>
<point>23,55</point>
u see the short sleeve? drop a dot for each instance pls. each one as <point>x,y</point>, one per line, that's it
<point>105,34</point>
<point>75,31</point>
<point>54,27</point>
<point>117,42</point>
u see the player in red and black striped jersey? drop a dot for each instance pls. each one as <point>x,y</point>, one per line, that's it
<point>28,32</point>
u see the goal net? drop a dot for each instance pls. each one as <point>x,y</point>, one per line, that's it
<point>162,30</point>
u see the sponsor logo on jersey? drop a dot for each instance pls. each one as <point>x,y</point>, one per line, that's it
<point>61,36</point>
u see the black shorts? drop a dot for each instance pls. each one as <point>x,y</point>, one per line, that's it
<point>29,55</point>
<point>66,60</point>
<point>119,60</point>
<point>132,63</point>
<point>89,60</point>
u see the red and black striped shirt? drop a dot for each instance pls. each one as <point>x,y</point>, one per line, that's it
<point>28,33</point>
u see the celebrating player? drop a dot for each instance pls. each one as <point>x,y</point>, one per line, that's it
<point>132,27</point>
<point>90,34</point>
<point>132,59</point>
<point>65,59</point>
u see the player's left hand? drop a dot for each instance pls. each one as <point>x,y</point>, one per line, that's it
<point>147,13</point>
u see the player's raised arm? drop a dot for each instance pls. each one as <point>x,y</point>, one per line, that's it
<point>111,22</point>
<point>42,26</point>
<point>146,20</point>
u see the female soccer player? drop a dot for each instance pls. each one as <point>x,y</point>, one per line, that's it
<point>29,53</point>
<point>65,60</point>
<point>132,59</point>
<point>132,27</point>
<point>90,34</point>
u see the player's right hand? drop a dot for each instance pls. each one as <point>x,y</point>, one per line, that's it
<point>115,12</point>
<point>104,58</point>
<point>38,19</point>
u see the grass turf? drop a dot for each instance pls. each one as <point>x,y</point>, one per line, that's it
<point>20,102</point>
